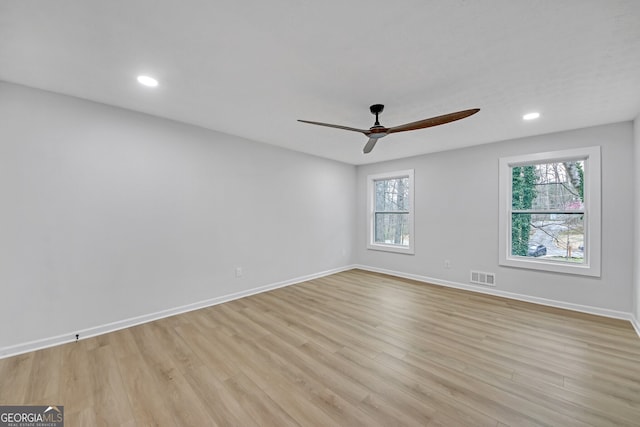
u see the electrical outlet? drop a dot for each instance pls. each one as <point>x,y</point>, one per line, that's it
<point>447,264</point>
<point>238,271</point>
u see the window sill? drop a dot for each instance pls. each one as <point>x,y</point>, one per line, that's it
<point>551,266</point>
<point>391,248</point>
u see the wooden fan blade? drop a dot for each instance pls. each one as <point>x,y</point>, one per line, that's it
<point>433,121</point>
<point>364,131</point>
<point>370,145</point>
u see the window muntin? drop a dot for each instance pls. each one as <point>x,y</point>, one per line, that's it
<point>390,212</point>
<point>550,216</point>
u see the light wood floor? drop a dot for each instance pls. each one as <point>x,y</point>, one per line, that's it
<point>352,349</point>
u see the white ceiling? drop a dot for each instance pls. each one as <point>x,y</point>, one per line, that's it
<point>251,68</point>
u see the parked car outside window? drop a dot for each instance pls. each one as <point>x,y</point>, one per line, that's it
<point>537,250</point>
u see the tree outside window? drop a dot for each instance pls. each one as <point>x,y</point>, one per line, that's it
<point>392,211</point>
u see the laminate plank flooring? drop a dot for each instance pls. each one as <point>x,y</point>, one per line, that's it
<point>351,349</point>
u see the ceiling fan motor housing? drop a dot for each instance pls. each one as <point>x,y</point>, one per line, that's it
<point>376,108</point>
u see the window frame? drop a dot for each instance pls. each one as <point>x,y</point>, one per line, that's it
<point>371,243</point>
<point>592,212</point>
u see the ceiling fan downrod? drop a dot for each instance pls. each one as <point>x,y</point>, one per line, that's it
<point>376,109</point>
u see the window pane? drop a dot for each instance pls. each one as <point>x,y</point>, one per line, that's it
<point>550,236</point>
<point>389,205</point>
<point>392,229</point>
<point>392,195</point>
<point>549,186</point>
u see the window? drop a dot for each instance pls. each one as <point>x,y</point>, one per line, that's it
<point>550,211</point>
<point>390,207</point>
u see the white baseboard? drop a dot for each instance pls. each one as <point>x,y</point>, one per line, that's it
<point>636,324</point>
<point>133,321</point>
<point>490,291</point>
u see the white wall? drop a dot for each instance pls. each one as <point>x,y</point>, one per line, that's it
<point>456,209</point>
<point>107,214</point>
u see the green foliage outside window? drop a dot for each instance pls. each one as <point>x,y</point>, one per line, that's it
<point>523,192</point>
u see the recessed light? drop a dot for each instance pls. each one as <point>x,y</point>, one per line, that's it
<point>531,116</point>
<point>147,81</point>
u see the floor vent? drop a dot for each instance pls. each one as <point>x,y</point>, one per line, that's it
<point>482,278</point>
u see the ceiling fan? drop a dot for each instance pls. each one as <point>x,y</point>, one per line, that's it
<point>378,131</point>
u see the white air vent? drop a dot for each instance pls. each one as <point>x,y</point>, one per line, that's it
<point>483,278</point>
